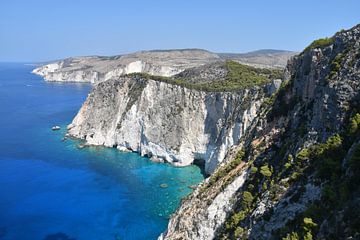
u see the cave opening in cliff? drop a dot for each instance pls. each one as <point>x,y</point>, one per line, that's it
<point>201,164</point>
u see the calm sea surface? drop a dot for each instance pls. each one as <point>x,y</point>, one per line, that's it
<point>50,189</point>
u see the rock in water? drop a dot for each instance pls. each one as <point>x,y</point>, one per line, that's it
<point>55,128</point>
<point>81,146</point>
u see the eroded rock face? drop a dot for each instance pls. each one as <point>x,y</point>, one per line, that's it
<point>96,69</point>
<point>166,122</point>
<point>320,93</point>
<point>194,222</point>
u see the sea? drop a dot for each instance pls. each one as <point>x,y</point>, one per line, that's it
<point>50,189</point>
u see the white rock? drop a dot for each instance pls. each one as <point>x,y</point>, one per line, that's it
<point>170,122</point>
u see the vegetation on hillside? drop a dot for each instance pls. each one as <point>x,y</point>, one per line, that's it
<point>320,43</point>
<point>326,162</point>
<point>239,76</point>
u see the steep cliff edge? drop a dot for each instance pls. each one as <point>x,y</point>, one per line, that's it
<point>95,69</point>
<point>164,119</point>
<point>295,172</point>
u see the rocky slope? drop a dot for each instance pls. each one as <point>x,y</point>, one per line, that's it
<point>283,166</point>
<point>95,69</point>
<point>262,58</point>
<point>295,172</point>
<point>162,119</point>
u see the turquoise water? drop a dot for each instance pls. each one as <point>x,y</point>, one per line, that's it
<point>50,189</point>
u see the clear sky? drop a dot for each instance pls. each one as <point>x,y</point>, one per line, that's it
<point>40,30</point>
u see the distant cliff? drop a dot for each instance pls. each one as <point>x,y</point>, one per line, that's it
<point>261,58</point>
<point>95,69</point>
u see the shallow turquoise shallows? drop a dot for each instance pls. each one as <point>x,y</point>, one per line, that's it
<point>50,189</point>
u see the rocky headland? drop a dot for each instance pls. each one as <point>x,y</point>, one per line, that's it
<point>281,147</point>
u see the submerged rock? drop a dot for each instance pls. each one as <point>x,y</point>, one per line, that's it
<point>58,236</point>
<point>81,146</point>
<point>193,187</point>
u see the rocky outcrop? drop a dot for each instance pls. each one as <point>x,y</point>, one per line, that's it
<point>166,122</point>
<point>95,69</point>
<point>299,183</point>
<point>205,220</point>
<point>265,58</point>
<point>284,166</point>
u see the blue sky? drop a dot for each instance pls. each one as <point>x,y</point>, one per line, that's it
<point>40,30</point>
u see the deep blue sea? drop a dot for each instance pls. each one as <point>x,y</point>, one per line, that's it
<point>50,189</point>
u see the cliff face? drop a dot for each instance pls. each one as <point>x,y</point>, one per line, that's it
<point>95,69</point>
<point>285,166</point>
<point>295,172</point>
<point>166,122</point>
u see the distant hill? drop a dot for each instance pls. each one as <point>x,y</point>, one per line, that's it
<point>96,69</point>
<point>261,58</point>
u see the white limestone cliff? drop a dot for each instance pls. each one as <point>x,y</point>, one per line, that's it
<point>95,69</point>
<point>205,220</point>
<point>165,122</point>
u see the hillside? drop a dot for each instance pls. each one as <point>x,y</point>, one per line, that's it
<point>295,172</point>
<point>95,69</point>
<point>264,58</point>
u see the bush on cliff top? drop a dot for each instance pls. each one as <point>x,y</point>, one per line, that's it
<point>239,76</point>
<point>320,43</point>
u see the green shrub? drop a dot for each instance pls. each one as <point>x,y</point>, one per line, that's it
<point>336,64</point>
<point>328,157</point>
<point>239,76</point>
<point>222,171</point>
<point>264,186</point>
<point>245,76</point>
<point>354,165</point>
<point>320,43</point>
<point>303,154</point>
<point>354,124</point>
<point>294,176</point>
<point>308,236</point>
<point>239,231</point>
<point>266,171</point>
<point>291,236</point>
<point>235,219</point>
<point>309,224</point>
<point>251,187</point>
<point>287,165</point>
<point>247,198</point>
